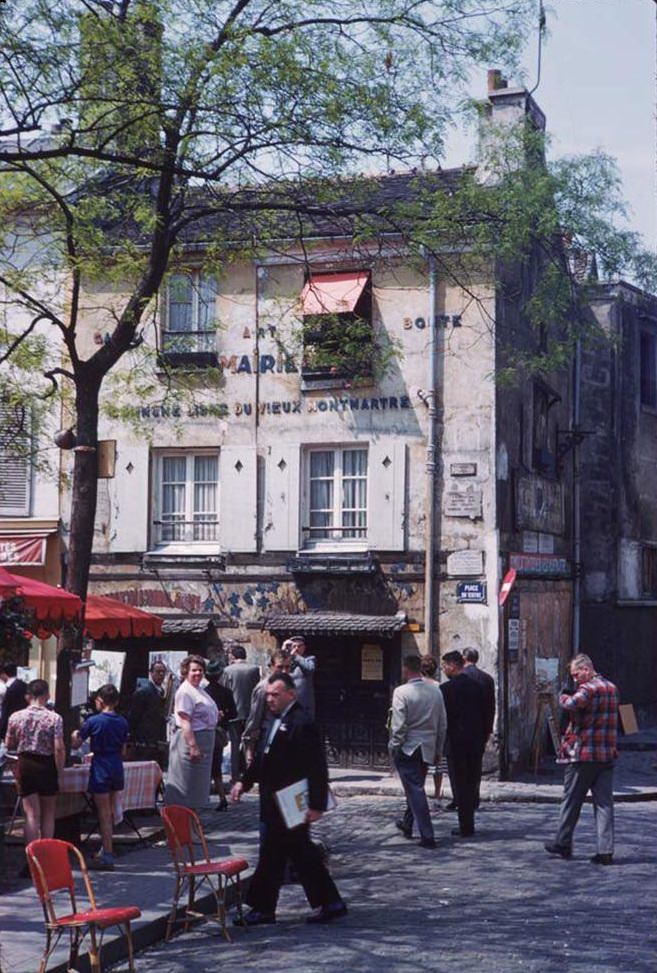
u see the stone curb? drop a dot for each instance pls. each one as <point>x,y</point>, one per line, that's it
<point>496,797</point>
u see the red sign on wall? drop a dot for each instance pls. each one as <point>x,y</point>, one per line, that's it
<point>24,549</point>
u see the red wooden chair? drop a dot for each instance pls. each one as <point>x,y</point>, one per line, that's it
<point>184,830</point>
<point>50,866</point>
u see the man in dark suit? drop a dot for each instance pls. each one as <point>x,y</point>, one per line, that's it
<point>465,703</point>
<point>487,683</point>
<point>289,752</point>
<point>147,718</point>
<point>14,697</point>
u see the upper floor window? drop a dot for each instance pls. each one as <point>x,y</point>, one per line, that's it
<point>15,461</point>
<point>648,369</point>
<point>337,496</point>
<point>649,571</point>
<point>189,336</point>
<point>186,501</point>
<point>337,325</point>
<point>543,430</point>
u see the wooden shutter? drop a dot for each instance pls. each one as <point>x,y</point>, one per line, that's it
<point>129,499</point>
<point>238,498</point>
<point>15,463</point>
<point>386,491</point>
<point>282,499</point>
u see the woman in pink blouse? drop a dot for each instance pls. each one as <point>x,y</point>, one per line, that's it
<point>37,735</point>
<point>192,743</point>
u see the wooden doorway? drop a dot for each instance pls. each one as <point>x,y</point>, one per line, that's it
<point>352,711</point>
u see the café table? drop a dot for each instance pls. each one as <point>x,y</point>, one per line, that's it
<point>143,783</point>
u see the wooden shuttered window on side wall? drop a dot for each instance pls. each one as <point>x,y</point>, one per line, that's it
<point>15,462</point>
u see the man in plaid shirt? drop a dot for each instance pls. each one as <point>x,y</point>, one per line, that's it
<point>589,750</point>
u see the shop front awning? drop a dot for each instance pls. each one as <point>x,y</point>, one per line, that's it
<point>51,606</point>
<point>334,623</point>
<point>333,293</point>
<point>8,584</point>
<point>107,618</point>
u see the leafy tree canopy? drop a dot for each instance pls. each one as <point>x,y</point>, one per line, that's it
<point>131,129</point>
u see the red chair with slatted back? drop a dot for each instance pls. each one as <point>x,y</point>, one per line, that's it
<point>184,831</point>
<point>50,867</point>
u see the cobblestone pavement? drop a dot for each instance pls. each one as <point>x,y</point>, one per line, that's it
<point>493,904</point>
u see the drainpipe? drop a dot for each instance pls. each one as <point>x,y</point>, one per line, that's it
<point>430,613</point>
<point>577,489</point>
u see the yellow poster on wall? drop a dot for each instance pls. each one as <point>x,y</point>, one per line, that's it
<point>371,663</point>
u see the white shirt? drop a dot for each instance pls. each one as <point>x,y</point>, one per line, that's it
<point>275,725</point>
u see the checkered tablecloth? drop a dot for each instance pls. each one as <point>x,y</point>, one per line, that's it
<point>142,779</point>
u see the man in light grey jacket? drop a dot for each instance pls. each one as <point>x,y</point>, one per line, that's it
<point>417,735</point>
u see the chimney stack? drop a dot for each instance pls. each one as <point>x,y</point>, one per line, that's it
<point>496,80</point>
<point>507,116</point>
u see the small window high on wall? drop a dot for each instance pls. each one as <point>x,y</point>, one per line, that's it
<point>337,325</point>
<point>189,335</point>
<point>648,369</point>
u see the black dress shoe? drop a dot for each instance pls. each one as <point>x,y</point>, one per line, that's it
<point>427,843</point>
<point>562,851</point>
<point>462,834</point>
<point>222,805</point>
<point>327,913</point>
<point>602,859</point>
<point>452,806</point>
<point>254,918</point>
<point>404,830</point>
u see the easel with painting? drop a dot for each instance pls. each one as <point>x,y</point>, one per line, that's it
<point>547,710</point>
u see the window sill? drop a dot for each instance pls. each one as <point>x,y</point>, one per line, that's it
<point>646,602</point>
<point>189,359</point>
<point>192,554</point>
<point>334,547</point>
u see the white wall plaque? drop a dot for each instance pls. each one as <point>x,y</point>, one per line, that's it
<point>465,563</point>
<point>463,504</point>
<point>462,469</point>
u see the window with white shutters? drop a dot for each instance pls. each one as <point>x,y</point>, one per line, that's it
<point>336,491</point>
<point>15,462</point>
<point>186,504</point>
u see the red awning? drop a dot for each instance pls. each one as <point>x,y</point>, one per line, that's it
<point>23,548</point>
<point>50,605</point>
<point>334,293</point>
<point>8,584</point>
<point>112,619</point>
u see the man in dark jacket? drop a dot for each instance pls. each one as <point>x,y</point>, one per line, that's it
<point>241,678</point>
<point>465,703</point>
<point>147,718</point>
<point>487,683</point>
<point>14,697</point>
<point>290,752</point>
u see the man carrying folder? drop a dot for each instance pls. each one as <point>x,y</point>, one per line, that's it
<point>290,753</point>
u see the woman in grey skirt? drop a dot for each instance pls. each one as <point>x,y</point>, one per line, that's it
<point>192,743</point>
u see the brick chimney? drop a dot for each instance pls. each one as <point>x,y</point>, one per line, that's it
<point>504,110</point>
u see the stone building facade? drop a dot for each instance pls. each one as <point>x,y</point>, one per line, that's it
<point>289,499</point>
<point>618,382</point>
